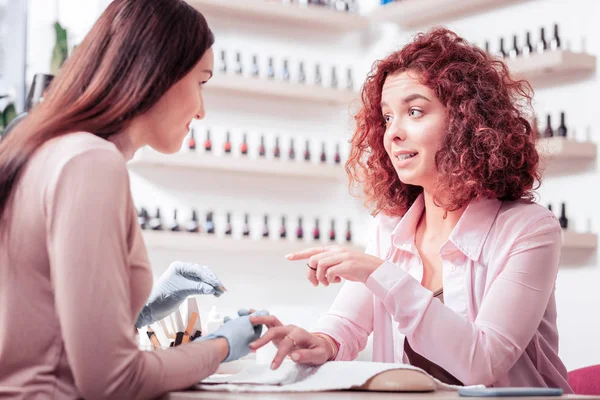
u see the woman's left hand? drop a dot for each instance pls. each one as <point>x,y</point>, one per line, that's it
<point>330,264</point>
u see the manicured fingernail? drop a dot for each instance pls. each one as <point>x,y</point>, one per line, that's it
<point>295,356</point>
<point>288,256</point>
<point>273,365</point>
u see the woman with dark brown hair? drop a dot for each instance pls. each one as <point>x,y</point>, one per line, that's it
<point>74,271</point>
<point>458,277</point>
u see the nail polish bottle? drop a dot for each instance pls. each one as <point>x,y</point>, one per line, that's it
<point>255,71</point>
<point>174,225</point>
<point>299,230</point>
<point>541,44</point>
<point>143,218</point>
<point>334,80</point>
<point>209,225</point>
<point>228,227</point>
<point>550,207</point>
<point>487,46</point>
<point>338,157</point>
<point>246,230</point>
<point>501,51</point>
<point>316,230</point>
<point>223,66</point>
<point>277,150</point>
<point>208,142</point>
<point>192,140</point>
<point>307,151</point>
<point>261,149</point>
<point>348,233</point>
<point>239,69</point>
<point>514,51</point>
<point>192,225</point>
<point>332,231</point>
<point>527,48</point>
<point>562,128</point>
<point>270,69</point>
<point>265,232</point>
<point>301,73</point>
<point>318,77</point>
<point>564,222</point>
<point>156,223</point>
<point>548,132</point>
<point>244,146</point>
<point>282,229</point>
<point>285,71</point>
<point>227,145</point>
<point>349,80</point>
<point>292,152</point>
<point>323,157</point>
<point>555,41</point>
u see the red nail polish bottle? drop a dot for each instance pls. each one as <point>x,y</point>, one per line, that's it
<point>192,140</point>
<point>208,142</point>
<point>348,233</point>
<point>277,150</point>
<point>227,146</point>
<point>261,150</point>
<point>244,146</point>
<point>332,231</point>
<point>316,230</point>
<point>283,230</point>
<point>299,230</point>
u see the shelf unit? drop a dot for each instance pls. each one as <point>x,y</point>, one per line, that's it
<point>191,242</point>
<point>232,84</point>
<point>229,163</point>
<point>579,241</point>
<point>559,148</point>
<point>309,17</point>
<point>416,13</point>
<point>552,65</point>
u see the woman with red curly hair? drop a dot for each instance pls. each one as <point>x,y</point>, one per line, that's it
<point>459,276</point>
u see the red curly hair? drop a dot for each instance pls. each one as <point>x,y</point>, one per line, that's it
<point>489,147</point>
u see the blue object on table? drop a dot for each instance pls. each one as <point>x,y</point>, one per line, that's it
<point>509,392</point>
<point>383,2</point>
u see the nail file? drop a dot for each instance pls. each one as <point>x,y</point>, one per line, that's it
<point>189,328</point>
<point>194,308</point>
<point>179,321</point>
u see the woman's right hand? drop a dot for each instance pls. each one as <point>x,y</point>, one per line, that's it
<point>303,347</point>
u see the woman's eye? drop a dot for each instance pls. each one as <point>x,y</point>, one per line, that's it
<point>413,112</point>
<point>387,119</point>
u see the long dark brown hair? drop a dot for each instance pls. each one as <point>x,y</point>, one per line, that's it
<point>132,55</point>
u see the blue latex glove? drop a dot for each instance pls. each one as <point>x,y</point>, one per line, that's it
<point>239,333</point>
<point>176,284</point>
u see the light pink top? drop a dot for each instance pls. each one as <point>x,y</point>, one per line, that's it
<point>497,325</point>
<point>74,274</point>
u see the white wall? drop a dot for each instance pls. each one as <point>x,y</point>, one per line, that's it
<point>273,282</point>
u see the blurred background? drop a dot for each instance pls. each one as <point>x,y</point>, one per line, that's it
<point>263,174</point>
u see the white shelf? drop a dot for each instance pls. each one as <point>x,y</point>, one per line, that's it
<point>552,65</point>
<point>416,13</point>
<point>191,242</point>
<point>240,85</point>
<point>559,148</point>
<point>309,17</point>
<point>228,163</point>
<point>573,240</point>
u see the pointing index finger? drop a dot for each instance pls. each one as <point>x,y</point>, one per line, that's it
<point>307,253</point>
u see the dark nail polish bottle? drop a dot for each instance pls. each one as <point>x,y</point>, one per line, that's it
<point>261,150</point>
<point>348,233</point>
<point>349,79</point>
<point>501,50</point>
<point>299,230</point>
<point>487,46</point>
<point>301,73</point>
<point>270,69</point>
<point>208,142</point>
<point>514,51</point>
<point>209,225</point>
<point>282,229</point>
<point>318,77</point>
<point>550,207</point>
<point>562,128</point>
<point>156,223</point>
<point>192,225</point>
<point>292,152</point>
<point>564,222</point>
<point>175,225</point>
<point>265,232</point>
<point>255,70</point>
<point>228,228</point>
<point>239,69</point>
<point>332,231</point>
<point>555,41</point>
<point>548,132</point>
<point>541,44</point>
<point>334,80</point>
<point>307,151</point>
<point>246,230</point>
<point>338,157</point>
<point>143,218</point>
<point>316,230</point>
<point>223,66</point>
<point>192,140</point>
<point>528,47</point>
<point>244,146</point>
<point>323,157</point>
<point>227,146</point>
<point>277,150</point>
<point>285,71</point>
